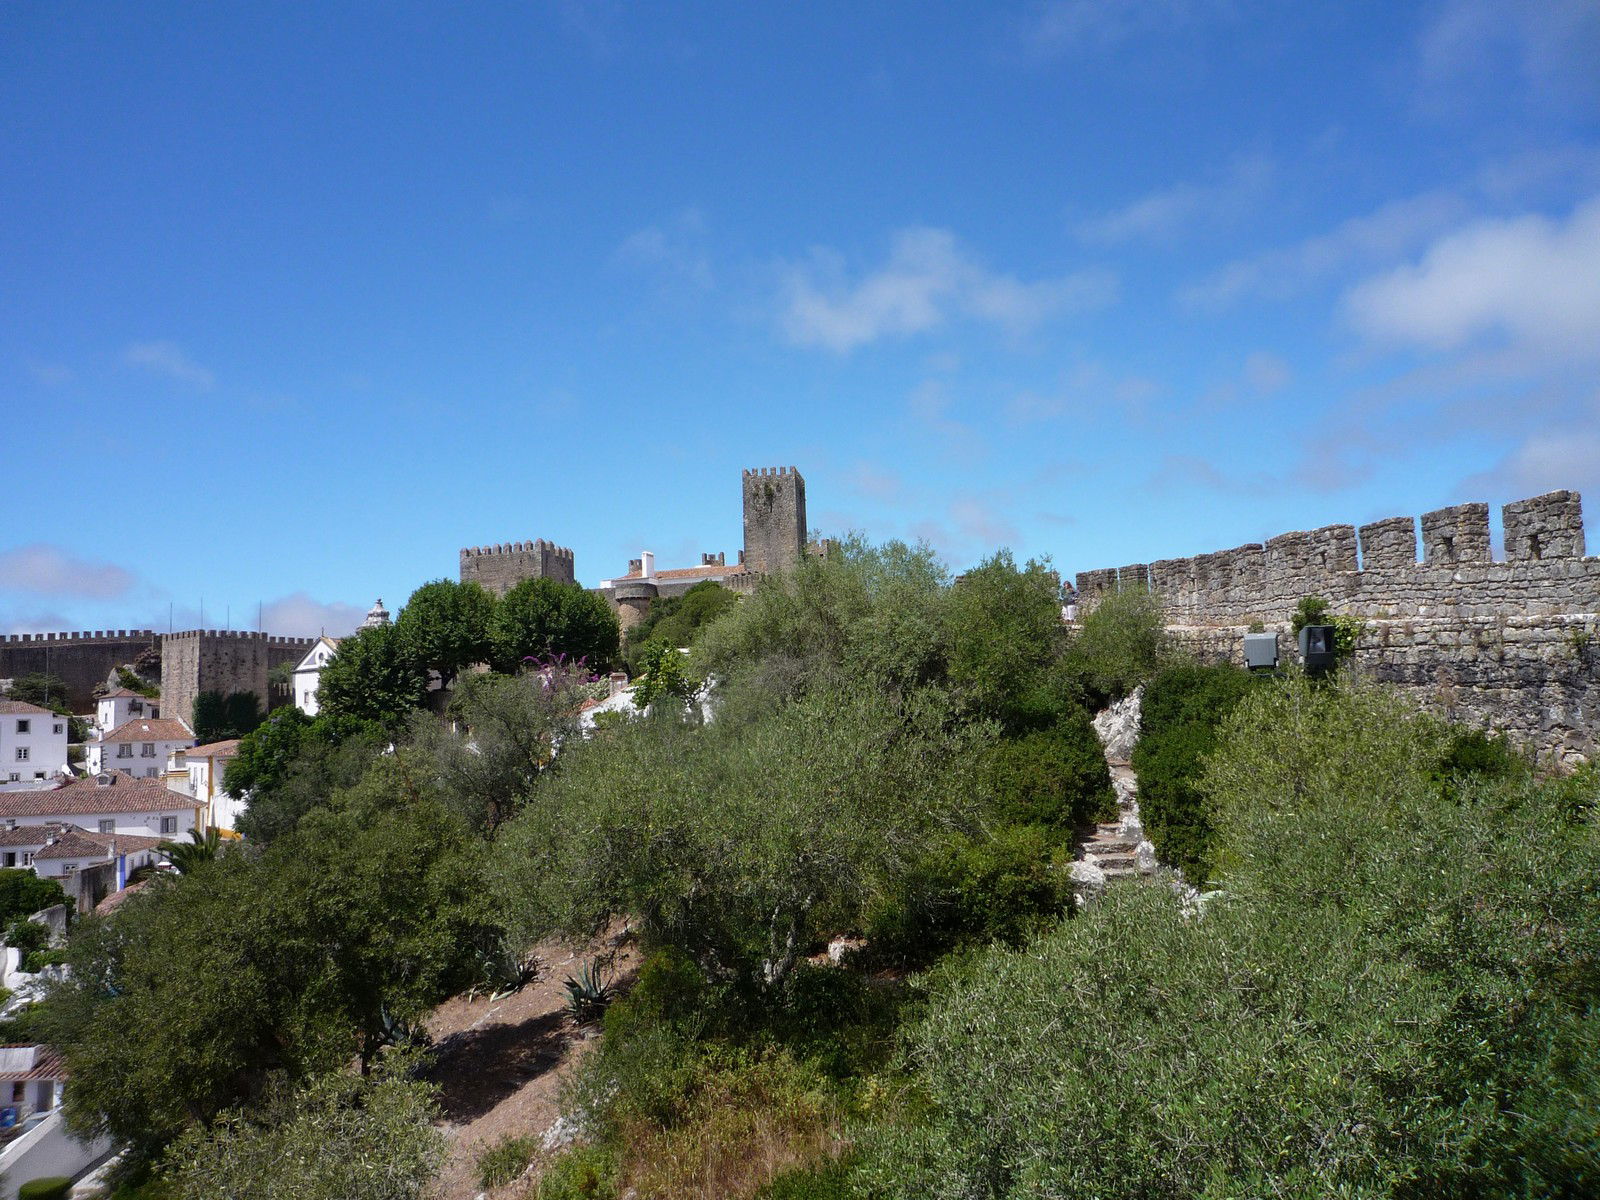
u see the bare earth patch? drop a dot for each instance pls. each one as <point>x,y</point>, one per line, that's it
<point>499,1064</point>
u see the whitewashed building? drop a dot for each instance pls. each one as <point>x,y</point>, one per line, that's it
<point>110,802</point>
<point>198,772</point>
<point>308,674</point>
<point>119,706</point>
<point>139,747</point>
<point>72,850</point>
<point>33,745</point>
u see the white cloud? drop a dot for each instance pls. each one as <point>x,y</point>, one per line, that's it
<point>1064,27</point>
<point>1566,458</point>
<point>1266,373</point>
<point>928,280</point>
<point>49,570</point>
<point>298,615</point>
<point>675,249</point>
<point>1163,214</point>
<point>1392,230</point>
<point>1527,281</point>
<point>167,358</point>
<point>981,522</point>
<point>1084,392</point>
<point>1542,54</point>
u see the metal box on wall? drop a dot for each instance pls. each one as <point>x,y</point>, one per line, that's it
<point>1261,651</point>
<point>1317,649</point>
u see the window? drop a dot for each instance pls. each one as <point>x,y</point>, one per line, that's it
<point>27,858</point>
<point>147,750</point>
<point>38,774</point>
<point>22,754</point>
<point>14,777</point>
<point>23,726</point>
<point>169,824</point>
<point>58,727</point>
<point>108,826</point>
<point>18,1091</point>
<point>68,867</point>
<point>125,750</point>
<point>11,858</point>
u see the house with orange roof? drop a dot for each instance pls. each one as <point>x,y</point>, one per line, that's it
<point>138,747</point>
<point>33,745</point>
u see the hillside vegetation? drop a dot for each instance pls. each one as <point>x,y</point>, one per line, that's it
<point>1392,994</point>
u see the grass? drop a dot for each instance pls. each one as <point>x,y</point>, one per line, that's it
<point>505,1160</point>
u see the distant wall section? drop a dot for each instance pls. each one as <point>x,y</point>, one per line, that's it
<point>221,660</point>
<point>82,660</point>
<point>500,568</point>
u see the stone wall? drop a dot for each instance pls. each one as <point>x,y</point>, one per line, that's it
<point>82,660</point>
<point>220,660</point>
<point>500,568</point>
<point>774,518</point>
<point>1509,645</point>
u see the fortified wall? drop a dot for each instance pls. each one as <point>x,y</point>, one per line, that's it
<point>1510,645</point>
<point>81,660</point>
<point>221,660</point>
<point>500,568</point>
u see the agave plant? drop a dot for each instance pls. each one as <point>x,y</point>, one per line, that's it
<point>198,850</point>
<point>588,994</point>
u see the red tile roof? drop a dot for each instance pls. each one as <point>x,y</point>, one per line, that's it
<point>44,1063</point>
<point>80,843</point>
<point>122,794</point>
<point>226,748</point>
<point>21,708</point>
<point>150,729</point>
<point>31,835</point>
<point>128,693</point>
<point>115,899</point>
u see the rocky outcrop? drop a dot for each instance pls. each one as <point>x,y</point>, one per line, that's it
<point>1118,727</point>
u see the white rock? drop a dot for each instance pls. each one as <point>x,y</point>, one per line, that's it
<point>1118,726</point>
<point>1088,882</point>
<point>561,1134</point>
<point>1146,854</point>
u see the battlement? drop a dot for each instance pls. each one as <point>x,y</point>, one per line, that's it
<point>537,546</point>
<point>85,638</point>
<point>238,635</point>
<point>759,472</point>
<point>1373,572</point>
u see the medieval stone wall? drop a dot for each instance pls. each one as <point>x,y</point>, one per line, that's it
<point>500,568</point>
<point>220,660</point>
<point>1512,645</point>
<point>81,660</point>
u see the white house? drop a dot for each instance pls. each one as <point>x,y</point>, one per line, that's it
<point>308,674</point>
<point>110,802</point>
<point>71,850</point>
<point>119,706</point>
<point>198,771</point>
<point>33,745</point>
<point>140,747</point>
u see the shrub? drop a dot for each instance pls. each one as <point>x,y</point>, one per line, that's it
<point>829,1180</point>
<point>1055,776</point>
<point>582,1173</point>
<point>505,1160</point>
<point>1119,646</point>
<point>23,893</point>
<point>27,936</point>
<point>1003,887</point>
<point>50,1187</point>
<point>37,960</point>
<point>1182,710</point>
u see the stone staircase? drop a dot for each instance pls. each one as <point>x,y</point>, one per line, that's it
<point>1115,850</point>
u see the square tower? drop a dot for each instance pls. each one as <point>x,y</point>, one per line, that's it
<point>774,519</point>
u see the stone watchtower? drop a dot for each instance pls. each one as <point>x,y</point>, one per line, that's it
<point>500,568</point>
<point>774,519</point>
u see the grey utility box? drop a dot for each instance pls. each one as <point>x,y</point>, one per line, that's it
<point>1261,651</point>
<point>1317,649</point>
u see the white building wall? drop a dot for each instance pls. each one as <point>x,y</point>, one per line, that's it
<point>33,748</point>
<point>132,758</point>
<point>47,1149</point>
<point>145,824</point>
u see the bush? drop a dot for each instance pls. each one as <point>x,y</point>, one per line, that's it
<point>1055,776</point>
<point>1395,997</point>
<point>27,936</point>
<point>22,893</point>
<point>1005,887</point>
<point>1182,711</point>
<point>831,1180</point>
<point>51,1187</point>
<point>505,1160</point>
<point>37,960</point>
<point>1119,646</point>
<point>583,1173</point>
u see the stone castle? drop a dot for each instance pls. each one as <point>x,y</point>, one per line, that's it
<point>1510,645</point>
<point>774,541</point>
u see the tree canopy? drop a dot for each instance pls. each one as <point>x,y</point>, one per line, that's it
<point>547,618</point>
<point>446,625</point>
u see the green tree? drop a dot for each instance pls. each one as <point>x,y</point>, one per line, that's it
<point>190,856</point>
<point>677,620</point>
<point>665,673</point>
<point>736,844</point>
<point>374,676</point>
<point>293,764</point>
<point>22,893</point>
<point>1005,631</point>
<point>47,691</point>
<point>446,624</point>
<point>338,1138</point>
<point>216,716</point>
<point>1120,645</point>
<point>546,618</point>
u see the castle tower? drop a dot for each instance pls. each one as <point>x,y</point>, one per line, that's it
<point>500,568</point>
<point>774,519</point>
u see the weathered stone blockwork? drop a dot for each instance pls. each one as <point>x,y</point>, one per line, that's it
<point>1509,645</point>
<point>220,660</point>
<point>774,519</point>
<point>81,660</point>
<point>500,568</point>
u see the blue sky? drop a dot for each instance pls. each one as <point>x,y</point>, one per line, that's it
<point>296,300</point>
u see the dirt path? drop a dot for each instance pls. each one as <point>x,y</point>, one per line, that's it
<point>499,1064</point>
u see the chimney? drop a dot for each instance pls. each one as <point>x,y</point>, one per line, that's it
<point>636,566</point>
<point>647,563</point>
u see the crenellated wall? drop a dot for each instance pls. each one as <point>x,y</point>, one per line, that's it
<point>500,568</point>
<point>81,660</point>
<point>221,660</point>
<point>1511,645</point>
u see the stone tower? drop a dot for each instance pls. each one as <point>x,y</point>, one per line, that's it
<point>500,568</point>
<point>774,519</point>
